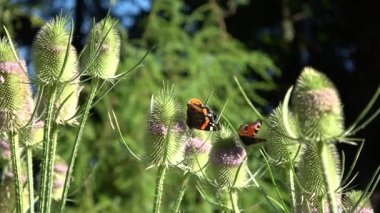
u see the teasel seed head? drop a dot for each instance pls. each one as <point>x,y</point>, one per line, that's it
<point>311,175</point>
<point>228,161</point>
<point>280,147</point>
<point>49,52</point>
<point>317,106</point>
<point>164,138</point>
<point>198,146</point>
<point>16,103</point>
<point>101,56</point>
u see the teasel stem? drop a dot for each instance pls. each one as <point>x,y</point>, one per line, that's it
<point>47,152</point>
<point>74,151</point>
<point>328,178</point>
<point>234,200</point>
<point>159,187</point>
<point>16,167</point>
<point>29,162</point>
<point>181,192</point>
<point>292,187</point>
<point>50,168</point>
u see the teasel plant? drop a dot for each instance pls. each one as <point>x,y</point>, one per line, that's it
<point>165,138</point>
<point>31,129</point>
<point>16,107</point>
<point>227,169</point>
<point>302,140</point>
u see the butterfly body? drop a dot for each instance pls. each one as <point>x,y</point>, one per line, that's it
<point>248,132</point>
<point>200,116</point>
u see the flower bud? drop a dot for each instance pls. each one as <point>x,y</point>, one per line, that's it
<point>227,165</point>
<point>49,52</point>
<point>317,106</point>
<point>101,56</point>
<point>164,141</point>
<point>16,103</point>
<point>197,151</point>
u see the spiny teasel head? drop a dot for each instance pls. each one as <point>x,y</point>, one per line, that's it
<point>68,103</point>
<point>49,53</point>
<point>101,56</point>
<point>197,149</point>
<point>350,200</point>
<point>311,175</point>
<point>60,170</point>
<point>227,165</point>
<point>16,102</point>
<point>164,135</point>
<point>317,106</point>
<point>279,145</point>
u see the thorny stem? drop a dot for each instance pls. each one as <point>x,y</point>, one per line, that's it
<point>159,187</point>
<point>234,200</point>
<point>325,162</point>
<point>47,152</point>
<point>50,168</point>
<point>16,167</point>
<point>29,159</point>
<point>292,188</point>
<point>181,192</point>
<point>77,141</point>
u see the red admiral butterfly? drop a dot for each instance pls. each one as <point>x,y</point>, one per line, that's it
<point>200,116</point>
<point>247,133</point>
